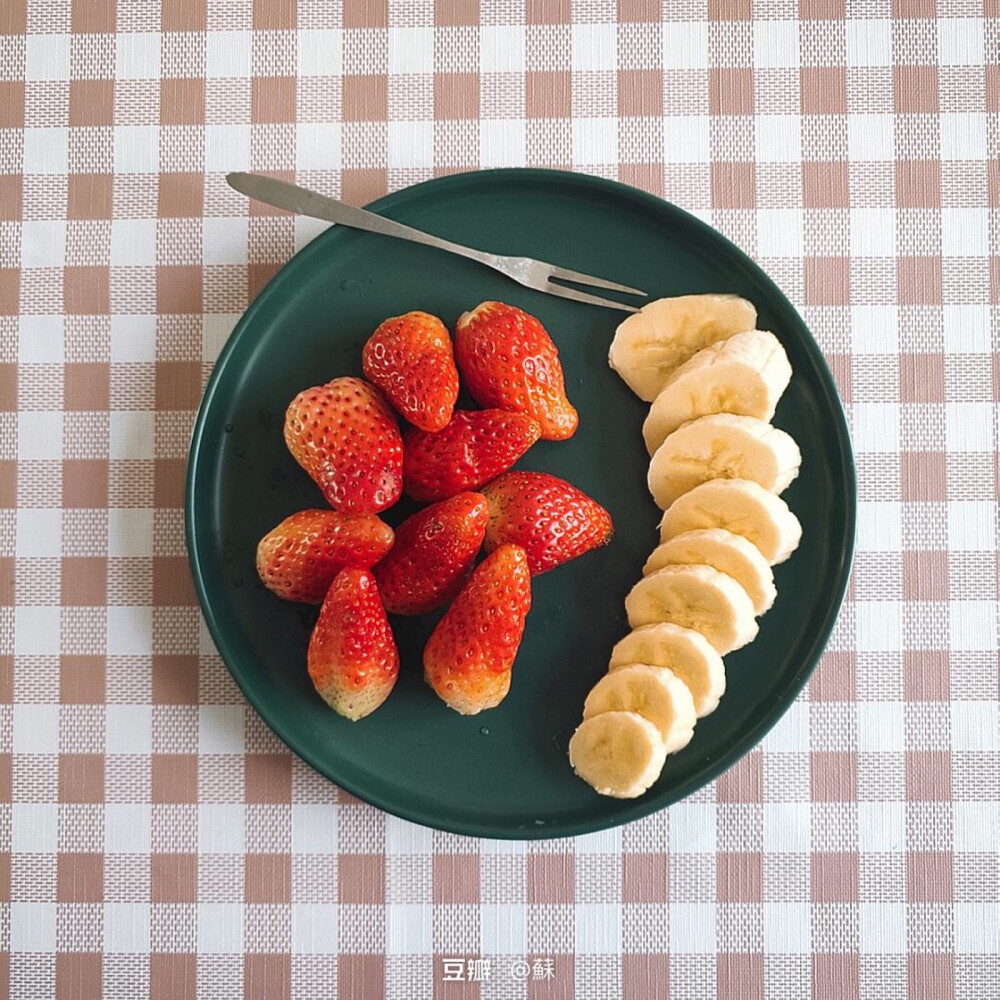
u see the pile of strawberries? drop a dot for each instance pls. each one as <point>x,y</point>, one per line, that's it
<point>345,434</point>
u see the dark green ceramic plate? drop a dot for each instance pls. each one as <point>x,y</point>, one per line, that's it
<point>503,773</point>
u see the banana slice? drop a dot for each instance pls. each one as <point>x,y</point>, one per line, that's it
<point>684,651</point>
<point>618,753</point>
<point>745,374</point>
<point>651,343</point>
<point>656,693</point>
<point>742,507</point>
<point>697,597</point>
<point>728,553</point>
<point>722,446</point>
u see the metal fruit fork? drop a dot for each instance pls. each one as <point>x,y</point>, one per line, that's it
<point>526,271</point>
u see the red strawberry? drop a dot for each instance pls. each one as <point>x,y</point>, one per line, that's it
<point>549,518</point>
<point>346,437</point>
<point>433,554</point>
<point>508,360</point>
<point>353,660</point>
<point>410,359</point>
<point>468,658</point>
<point>473,449</point>
<point>300,557</point>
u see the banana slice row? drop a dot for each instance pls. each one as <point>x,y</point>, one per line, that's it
<point>717,468</point>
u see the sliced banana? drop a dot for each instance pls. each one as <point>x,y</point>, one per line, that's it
<point>745,374</point>
<point>742,507</point>
<point>697,597</point>
<point>722,446</point>
<point>656,693</point>
<point>682,650</point>
<point>728,553</point>
<point>651,343</point>
<point>618,753</point>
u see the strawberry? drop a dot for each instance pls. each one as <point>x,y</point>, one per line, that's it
<point>433,554</point>
<point>549,518</point>
<point>508,360</point>
<point>353,660</point>
<point>410,359</point>
<point>473,449</point>
<point>468,658</point>
<point>345,435</point>
<point>300,557</point>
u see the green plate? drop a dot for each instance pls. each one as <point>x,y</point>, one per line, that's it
<point>503,773</point>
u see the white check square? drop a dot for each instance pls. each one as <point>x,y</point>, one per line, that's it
<point>40,340</point>
<point>961,41</point>
<point>882,827</point>
<point>220,928</point>
<point>881,726</point>
<point>595,141</point>
<point>129,631</point>
<point>685,45</point>
<point>131,435</point>
<point>594,47</point>
<point>869,41</point>
<point>127,828</point>
<point>501,48</point>
<point>971,525</point>
<point>32,927</point>
<point>879,626</point>
<point>880,526</point>
<point>137,55</point>
<point>228,54</point>
<point>882,928</point>
<point>227,147</point>
<point>46,57</point>
<point>975,726</point>
<point>34,827</point>
<point>39,435</point>
<point>504,930</point>
<point>224,241</point>
<point>411,50</point>
<point>126,928</point>
<point>221,828</point>
<point>314,928</point>
<point>686,138</point>
<point>133,338</point>
<point>875,329</point>
<point>692,827</point>
<point>776,44</point>
<point>133,243</point>
<point>964,232</point>
<point>973,627</point>
<point>692,928</point>
<point>786,827</point>
<point>137,149</point>
<point>977,929</point>
<point>787,929</point>
<point>314,828</point>
<point>779,138</point>
<point>36,633</point>
<point>873,232</point>
<point>871,137</point>
<point>35,727</point>
<point>43,243</point>
<point>409,929</point>
<point>969,426</point>
<point>38,532</point>
<point>411,144</point>
<point>318,146</point>
<point>779,232</point>
<point>967,329</point>
<point>321,52</point>
<point>963,135</point>
<point>128,729</point>
<point>598,928</point>
<point>130,532</point>
<point>502,142</point>
<point>404,837</point>
<point>215,331</point>
<point>221,729</point>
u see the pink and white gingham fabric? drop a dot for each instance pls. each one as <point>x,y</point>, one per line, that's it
<point>155,838</point>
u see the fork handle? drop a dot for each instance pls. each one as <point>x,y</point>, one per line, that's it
<point>302,201</point>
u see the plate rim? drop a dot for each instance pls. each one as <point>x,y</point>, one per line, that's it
<point>642,806</point>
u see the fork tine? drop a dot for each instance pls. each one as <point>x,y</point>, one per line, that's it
<point>595,300</point>
<point>587,279</point>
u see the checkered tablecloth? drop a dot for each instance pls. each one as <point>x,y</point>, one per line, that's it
<point>155,838</point>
